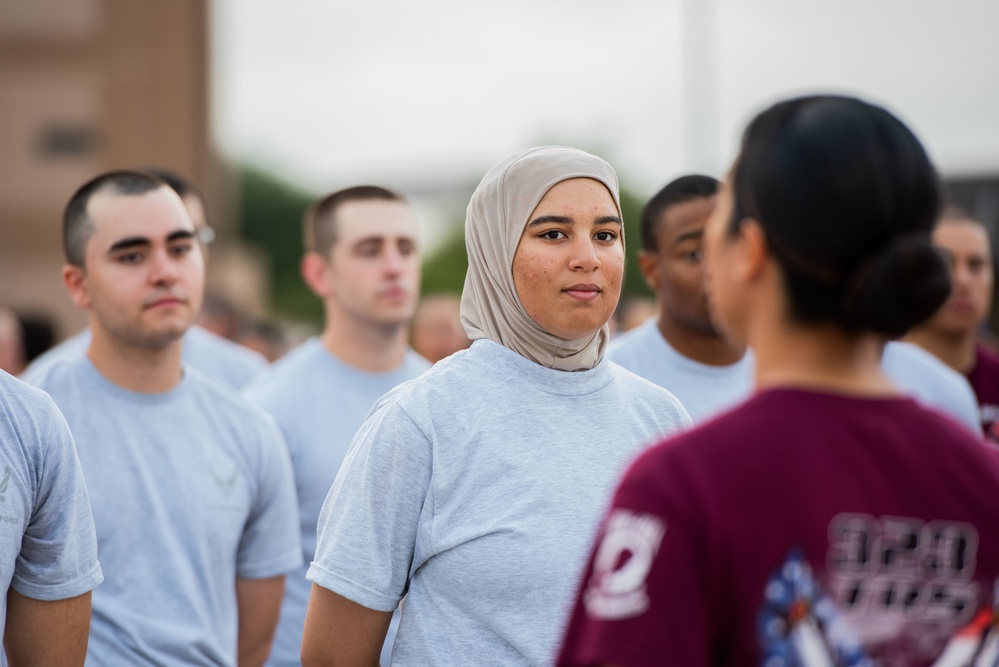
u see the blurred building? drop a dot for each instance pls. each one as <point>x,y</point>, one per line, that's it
<point>86,86</point>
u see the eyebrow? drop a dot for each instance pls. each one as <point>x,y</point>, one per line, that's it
<point>562,220</point>
<point>686,236</point>
<point>136,241</point>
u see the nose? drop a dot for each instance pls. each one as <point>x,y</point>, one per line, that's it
<point>163,270</point>
<point>960,274</point>
<point>394,261</point>
<point>584,255</point>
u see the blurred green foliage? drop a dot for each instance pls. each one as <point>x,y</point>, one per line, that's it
<point>271,220</point>
<point>271,213</point>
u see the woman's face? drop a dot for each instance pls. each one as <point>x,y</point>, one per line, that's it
<point>726,302</point>
<point>570,260</point>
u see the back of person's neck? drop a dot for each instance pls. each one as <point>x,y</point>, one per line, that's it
<point>819,357</point>
<point>369,347</point>
<point>143,369</point>
<point>956,349</point>
<point>701,346</point>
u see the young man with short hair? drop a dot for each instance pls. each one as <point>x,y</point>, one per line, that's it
<point>361,259</point>
<point>213,355</point>
<point>952,334</point>
<point>682,350</point>
<point>191,485</point>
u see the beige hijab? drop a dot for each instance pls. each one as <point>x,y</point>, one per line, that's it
<point>497,215</point>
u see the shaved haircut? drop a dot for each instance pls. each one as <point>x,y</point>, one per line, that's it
<point>320,232</point>
<point>678,191</point>
<point>77,227</point>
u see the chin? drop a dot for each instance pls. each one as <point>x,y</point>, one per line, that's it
<point>165,335</point>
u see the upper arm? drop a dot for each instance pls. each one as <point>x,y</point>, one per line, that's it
<point>258,603</point>
<point>46,632</point>
<point>368,533</point>
<point>339,631</point>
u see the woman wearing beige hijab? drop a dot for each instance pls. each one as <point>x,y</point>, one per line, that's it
<point>473,490</point>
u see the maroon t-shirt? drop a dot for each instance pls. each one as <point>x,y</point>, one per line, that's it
<point>984,379</point>
<point>802,528</point>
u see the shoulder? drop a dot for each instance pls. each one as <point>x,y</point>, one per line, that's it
<point>274,380</point>
<point>32,429</point>
<point>645,391</point>
<point>22,403</point>
<point>70,348</point>
<point>898,352</point>
<point>415,363</point>
<point>915,369</point>
<point>202,338</point>
<point>637,339</point>
<point>55,375</point>
<point>223,359</point>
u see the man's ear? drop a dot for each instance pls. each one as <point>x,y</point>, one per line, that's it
<point>75,278</point>
<point>314,269</point>
<point>648,265</point>
<point>754,252</point>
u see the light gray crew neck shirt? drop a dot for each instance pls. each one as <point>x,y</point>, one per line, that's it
<point>703,389</point>
<point>478,487</point>
<point>191,489</point>
<point>319,403</point>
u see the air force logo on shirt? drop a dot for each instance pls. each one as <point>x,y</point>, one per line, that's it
<point>621,566</point>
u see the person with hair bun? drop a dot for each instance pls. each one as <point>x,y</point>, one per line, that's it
<point>475,489</point>
<point>828,520</point>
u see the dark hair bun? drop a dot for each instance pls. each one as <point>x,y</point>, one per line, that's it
<point>897,289</point>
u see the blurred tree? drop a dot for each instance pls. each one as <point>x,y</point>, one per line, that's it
<point>271,219</point>
<point>444,270</point>
<point>631,209</point>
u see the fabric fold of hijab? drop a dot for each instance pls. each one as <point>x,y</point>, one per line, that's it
<point>496,217</point>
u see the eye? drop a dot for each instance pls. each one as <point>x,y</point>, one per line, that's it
<point>368,249</point>
<point>553,235</point>
<point>129,258</point>
<point>181,249</point>
<point>406,247</point>
<point>606,236</point>
<point>693,256</point>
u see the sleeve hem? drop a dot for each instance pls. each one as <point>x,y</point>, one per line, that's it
<point>274,567</point>
<point>61,591</point>
<point>350,590</point>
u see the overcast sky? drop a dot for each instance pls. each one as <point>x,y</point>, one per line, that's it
<point>332,93</point>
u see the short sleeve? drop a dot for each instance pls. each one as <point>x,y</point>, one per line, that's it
<point>271,543</point>
<point>58,557</point>
<point>643,599</point>
<point>370,525</point>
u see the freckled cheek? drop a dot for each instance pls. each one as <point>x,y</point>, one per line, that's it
<point>614,267</point>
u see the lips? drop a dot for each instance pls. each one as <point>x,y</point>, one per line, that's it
<point>583,291</point>
<point>394,293</point>
<point>165,302</point>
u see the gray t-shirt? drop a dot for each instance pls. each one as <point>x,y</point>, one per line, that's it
<point>478,487</point>
<point>222,360</point>
<point>48,550</point>
<point>704,390</point>
<point>191,489</point>
<point>930,381</point>
<point>319,403</point>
